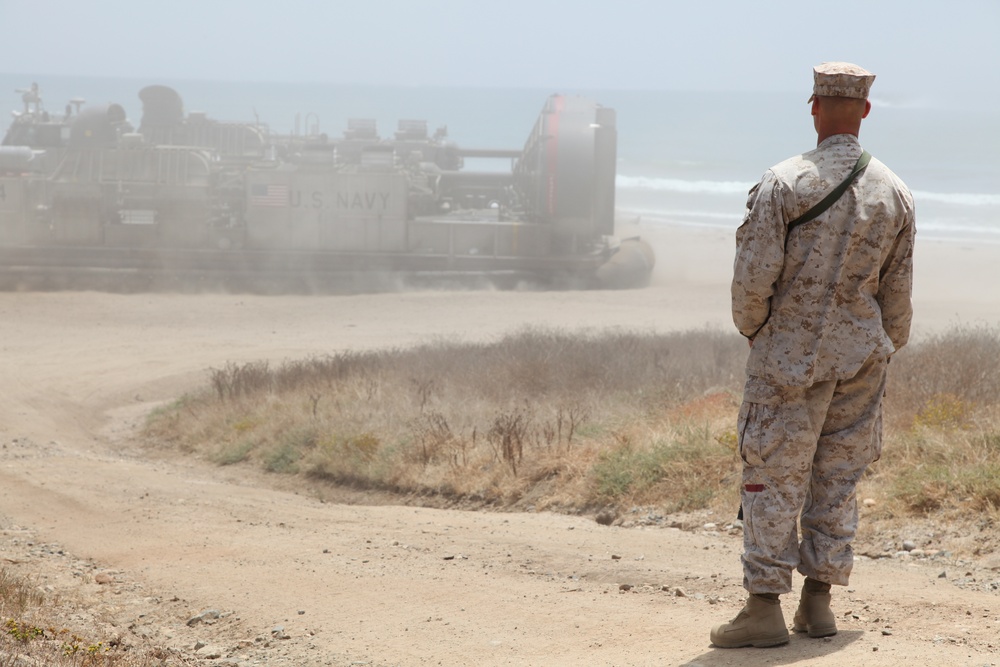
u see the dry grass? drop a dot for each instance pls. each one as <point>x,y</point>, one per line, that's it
<point>942,454</point>
<point>533,418</point>
<point>579,422</point>
<point>33,631</point>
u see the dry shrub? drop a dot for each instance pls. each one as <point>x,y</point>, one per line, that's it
<point>577,420</point>
<point>953,374</point>
<point>530,364</point>
<point>436,439</point>
<point>236,380</point>
<point>507,436</point>
<point>941,453</point>
<point>503,422</point>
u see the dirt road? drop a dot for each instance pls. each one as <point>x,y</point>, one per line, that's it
<point>289,580</point>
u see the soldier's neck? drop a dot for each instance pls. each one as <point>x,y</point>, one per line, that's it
<point>825,133</point>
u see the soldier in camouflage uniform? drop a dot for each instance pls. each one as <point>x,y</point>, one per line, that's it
<point>824,307</point>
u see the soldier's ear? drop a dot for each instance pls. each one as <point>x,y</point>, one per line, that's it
<point>868,108</point>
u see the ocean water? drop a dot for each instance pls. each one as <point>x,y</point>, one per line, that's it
<point>684,158</point>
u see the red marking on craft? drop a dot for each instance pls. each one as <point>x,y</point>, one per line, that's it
<point>754,488</point>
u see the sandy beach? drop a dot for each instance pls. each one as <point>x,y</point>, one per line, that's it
<point>953,284</point>
<point>393,585</point>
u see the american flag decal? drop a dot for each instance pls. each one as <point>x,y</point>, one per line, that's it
<point>269,195</point>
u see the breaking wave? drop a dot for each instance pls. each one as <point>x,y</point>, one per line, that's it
<point>958,198</point>
<point>679,185</point>
<point>653,184</point>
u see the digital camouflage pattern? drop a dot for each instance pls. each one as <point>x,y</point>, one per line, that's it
<point>840,291</point>
<point>806,448</point>
<point>841,80</point>
<point>824,306</point>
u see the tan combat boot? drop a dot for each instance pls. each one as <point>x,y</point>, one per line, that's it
<point>814,615</point>
<point>759,624</point>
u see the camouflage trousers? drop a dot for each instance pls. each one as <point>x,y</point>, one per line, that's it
<point>804,449</point>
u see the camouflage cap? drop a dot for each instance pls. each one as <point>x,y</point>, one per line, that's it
<point>841,80</point>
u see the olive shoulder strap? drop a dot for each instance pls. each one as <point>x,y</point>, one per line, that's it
<point>834,195</point>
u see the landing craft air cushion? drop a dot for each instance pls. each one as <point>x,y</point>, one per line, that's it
<point>87,200</point>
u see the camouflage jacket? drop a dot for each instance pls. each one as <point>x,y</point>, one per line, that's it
<point>818,303</point>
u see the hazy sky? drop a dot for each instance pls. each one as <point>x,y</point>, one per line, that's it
<point>937,47</point>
